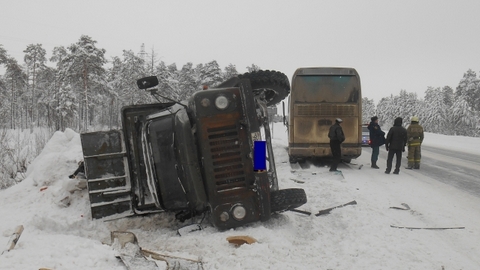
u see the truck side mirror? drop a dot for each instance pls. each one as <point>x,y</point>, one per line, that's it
<point>147,82</point>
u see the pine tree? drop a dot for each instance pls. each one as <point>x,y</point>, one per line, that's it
<point>188,81</point>
<point>46,99</point>
<point>35,60</point>
<point>3,55</point>
<point>130,69</point>
<point>469,87</point>
<point>84,70</point>
<point>253,67</point>
<point>464,118</point>
<point>15,81</point>
<point>61,83</point>
<point>211,74</point>
<point>434,112</point>
<point>229,72</point>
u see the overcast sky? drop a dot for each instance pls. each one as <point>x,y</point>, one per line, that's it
<point>394,45</point>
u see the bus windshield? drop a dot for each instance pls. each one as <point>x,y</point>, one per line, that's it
<point>327,88</point>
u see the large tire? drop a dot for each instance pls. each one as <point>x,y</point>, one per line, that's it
<point>276,84</point>
<point>286,199</point>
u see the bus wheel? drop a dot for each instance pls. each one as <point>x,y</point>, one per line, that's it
<point>286,199</point>
<point>276,84</point>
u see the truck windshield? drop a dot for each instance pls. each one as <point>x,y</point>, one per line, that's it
<point>326,88</point>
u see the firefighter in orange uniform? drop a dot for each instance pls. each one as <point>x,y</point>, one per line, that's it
<point>415,139</point>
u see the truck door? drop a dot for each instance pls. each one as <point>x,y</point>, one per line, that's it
<point>106,169</point>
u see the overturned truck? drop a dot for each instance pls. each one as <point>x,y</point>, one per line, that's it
<point>193,157</point>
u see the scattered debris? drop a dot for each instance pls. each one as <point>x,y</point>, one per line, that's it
<point>351,165</point>
<point>401,208</point>
<point>43,188</point>
<point>327,211</point>
<point>188,229</point>
<point>301,211</point>
<point>126,245</point>
<point>297,181</point>
<point>241,239</point>
<point>14,238</point>
<point>427,228</point>
<point>174,262</point>
<point>134,257</point>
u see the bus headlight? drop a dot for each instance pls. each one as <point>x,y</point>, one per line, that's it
<point>221,102</point>
<point>239,212</point>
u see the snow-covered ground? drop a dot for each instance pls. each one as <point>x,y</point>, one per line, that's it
<point>59,233</point>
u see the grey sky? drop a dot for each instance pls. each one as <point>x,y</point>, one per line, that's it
<point>393,45</point>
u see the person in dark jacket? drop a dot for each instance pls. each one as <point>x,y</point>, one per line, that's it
<point>336,138</point>
<point>377,139</point>
<point>395,144</point>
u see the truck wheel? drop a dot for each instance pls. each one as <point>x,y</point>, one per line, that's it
<point>286,199</point>
<point>276,83</point>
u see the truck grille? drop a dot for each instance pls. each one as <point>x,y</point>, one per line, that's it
<point>226,154</point>
<point>326,110</point>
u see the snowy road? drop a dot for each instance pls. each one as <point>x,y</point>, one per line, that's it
<point>458,169</point>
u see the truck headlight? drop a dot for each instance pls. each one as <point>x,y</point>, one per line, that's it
<point>221,102</point>
<point>205,102</point>
<point>224,216</point>
<point>239,212</point>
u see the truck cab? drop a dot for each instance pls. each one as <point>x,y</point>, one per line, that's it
<point>192,158</point>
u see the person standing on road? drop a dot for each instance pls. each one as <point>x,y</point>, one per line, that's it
<point>415,139</point>
<point>395,144</point>
<point>377,139</point>
<point>336,138</point>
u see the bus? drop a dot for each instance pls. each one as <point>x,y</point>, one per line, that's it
<point>318,96</point>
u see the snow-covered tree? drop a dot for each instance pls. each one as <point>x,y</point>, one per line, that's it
<point>15,80</point>
<point>46,98</point>
<point>464,118</point>
<point>368,109</point>
<point>84,68</point>
<point>211,74</point>
<point>253,67</point>
<point>35,59</point>
<point>469,88</point>
<point>61,83</point>
<point>229,72</point>
<point>3,55</point>
<point>167,82</point>
<point>434,111</point>
<point>448,96</point>
<point>404,105</point>
<point>127,72</point>
<point>188,81</point>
